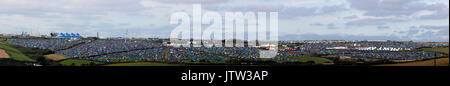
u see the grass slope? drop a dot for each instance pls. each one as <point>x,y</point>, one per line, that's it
<point>316,60</point>
<point>75,62</point>
<point>15,53</point>
<point>143,64</point>
<point>442,50</point>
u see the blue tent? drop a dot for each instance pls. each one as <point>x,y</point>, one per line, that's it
<point>69,35</point>
<point>62,34</point>
<point>73,35</point>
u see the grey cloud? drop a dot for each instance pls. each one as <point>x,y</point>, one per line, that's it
<point>393,7</point>
<point>383,27</point>
<point>336,37</point>
<point>430,27</point>
<point>333,9</point>
<point>329,26</point>
<point>292,12</point>
<point>423,31</point>
<point>255,8</point>
<point>192,1</point>
<point>373,22</point>
<point>332,27</point>
<point>312,36</point>
<point>442,14</point>
<point>316,24</point>
<point>351,17</point>
<point>39,8</point>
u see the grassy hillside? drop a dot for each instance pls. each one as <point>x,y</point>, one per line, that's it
<point>442,50</point>
<point>143,64</point>
<point>316,60</point>
<point>439,62</point>
<point>12,62</point>
<point>15,53</point>
<point>75,62</point>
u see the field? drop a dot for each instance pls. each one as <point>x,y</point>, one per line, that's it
<point>126,63</point>
<point>442,50</point>
<point>143,64</point>
<point>15,53</point>
<point>55,57</point>
<point>439,62</point>
<point>21,55</point>
<point>316,60</point>
<point>74,62</point>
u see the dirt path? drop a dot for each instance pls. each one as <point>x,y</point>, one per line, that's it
<point>3,54</point>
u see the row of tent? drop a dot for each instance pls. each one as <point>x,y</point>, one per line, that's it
<point>69,35</point>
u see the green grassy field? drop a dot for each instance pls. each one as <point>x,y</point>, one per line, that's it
<point>74,62</point>
<point>15,53</point>
<point>442,50</point>
<point>143,64</point>
<point>316,60</point>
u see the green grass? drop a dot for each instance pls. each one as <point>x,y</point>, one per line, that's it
<point>143,64</point>
<point>69,62</point>
<point>316,60</point>
<point>15,53</point>
<point>442,50</point>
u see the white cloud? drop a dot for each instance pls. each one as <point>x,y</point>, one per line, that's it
<point>152,16</point>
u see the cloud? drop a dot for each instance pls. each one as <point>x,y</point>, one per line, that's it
<point>374,22</point>
<point>433,27</point>
<point>193,1</point>
<point>316,24</point>
<point>351,17</point>
<point>396,8</point>
<point>422,32</point>
<point>251,8</point>
<point>306,1</point>
<point>373,18</point>
<point>440,14</point>
<point>67,6</point>
<point>329,26</point>
<point>293,12</point>
<point>383,27</point>
<point>312,36</point>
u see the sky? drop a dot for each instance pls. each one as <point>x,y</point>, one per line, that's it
<point>402,20</point>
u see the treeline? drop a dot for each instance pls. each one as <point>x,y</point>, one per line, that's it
<point>11,62</point>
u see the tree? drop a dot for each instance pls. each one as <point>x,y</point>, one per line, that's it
<point>42,61</point>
